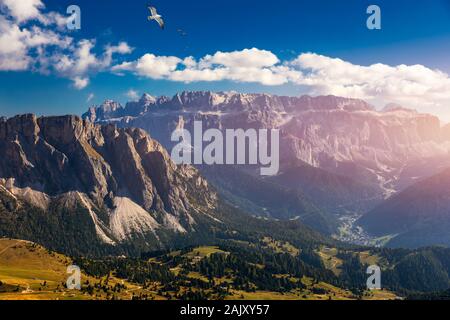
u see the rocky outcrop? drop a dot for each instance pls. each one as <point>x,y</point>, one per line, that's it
<point>122,178</point>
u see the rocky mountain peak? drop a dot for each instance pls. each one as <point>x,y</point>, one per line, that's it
<point>207,101</point>
<point>25,126</point>
<point>147,99</point>
<point>106,165</point>
<point>110,106</point>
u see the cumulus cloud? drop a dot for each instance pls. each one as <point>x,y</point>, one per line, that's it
<point>249,58</point>
<point>122,48</point>
<point>31,39</point>
<point>23,10</point>
<point>248,65</point>
<point>150,66</point>
<point>80,83</point>
<point>13,50</point>
<point>155,67</point>
<point>413,86</point>
<point>82,61</point>
<point>132,94</point>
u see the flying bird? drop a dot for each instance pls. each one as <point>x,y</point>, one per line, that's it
<point>182,32</point>
<point>155,16</point>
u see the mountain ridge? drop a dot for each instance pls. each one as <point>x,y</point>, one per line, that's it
<point>342,137</point>
<point>416,217</point>
<point>120,175</point>
<point>323,131</point>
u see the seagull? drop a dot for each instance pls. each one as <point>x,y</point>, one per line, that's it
<point>155,16</point>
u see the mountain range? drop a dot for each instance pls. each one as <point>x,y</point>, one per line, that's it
<point>111,197</point>
<point>339,156</point>
<point>85,188</point>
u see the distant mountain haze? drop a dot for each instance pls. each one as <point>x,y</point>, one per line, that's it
<point>418,216</point>
<point>341,155</point>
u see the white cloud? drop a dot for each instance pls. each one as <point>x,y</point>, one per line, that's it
<point>84,59</point>
<point>193,75</point>
<point>90,97</point>
<point>80,83</point>
<point>248,65</point>
<point>23,10</point>
<point>190,62</point>
<point>77,64</point>
<point>13,50</point>
<point>414,86</point>
<point>155,67</point>
<point>265,76</point>
<point>119,69</point>
<point>38,37</point>
<point>121,48</point>
<point>249,58</point>
<point>132,94</point>
<point>31,39</point>
<point>17,44</point>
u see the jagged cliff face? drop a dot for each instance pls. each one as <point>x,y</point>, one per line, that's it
<point>344,136</point>
<point>123,180</point>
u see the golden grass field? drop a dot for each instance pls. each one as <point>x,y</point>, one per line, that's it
<point>33,273</point>
<point>30,272</point>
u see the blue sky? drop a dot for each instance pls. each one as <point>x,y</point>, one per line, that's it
<point>413,33</point>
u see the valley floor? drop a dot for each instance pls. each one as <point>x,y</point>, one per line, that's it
<point>351,232</point>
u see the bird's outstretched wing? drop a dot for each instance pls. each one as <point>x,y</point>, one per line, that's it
<point>160,22</point>
<point>153,11</point>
